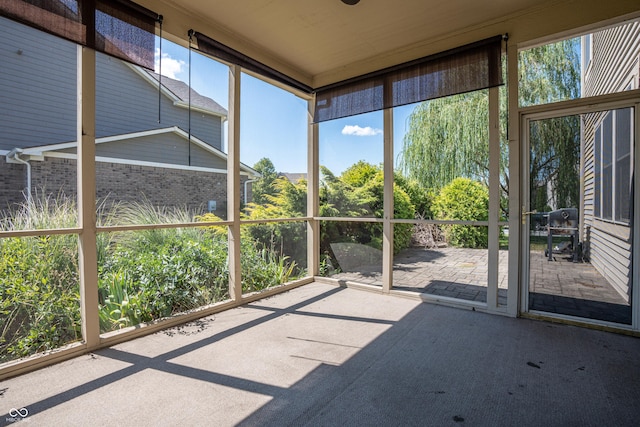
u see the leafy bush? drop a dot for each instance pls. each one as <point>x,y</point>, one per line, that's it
<point>263,268</point>
<point>143,274</point>
<point>285,238</point>
<point>39,293</point>
<point>359,192</point>
<point>420,197</point>
<point>465,200</point>
<point>151,274</point>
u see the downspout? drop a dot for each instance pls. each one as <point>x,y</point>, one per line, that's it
<point>246,199</point>
<point>14,157</point>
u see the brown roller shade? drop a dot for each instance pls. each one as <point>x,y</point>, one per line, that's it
<point>464,69</point>
<point>218,50</point>
<point>119,28</point>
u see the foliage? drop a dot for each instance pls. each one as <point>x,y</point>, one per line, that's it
<point>39,294</point>
<point>551,73</point>
<point>284,239</point>
<point>359,192</point>
<point>164,276</point>
<point>448,137</point>
<point>263,268</point>
<point>421,198</point>
<point>555,161</point>
<point>144,274</point>
<point>264,186</point>
<point>465,200</point>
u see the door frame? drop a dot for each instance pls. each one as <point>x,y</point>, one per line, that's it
<point>565,108</point>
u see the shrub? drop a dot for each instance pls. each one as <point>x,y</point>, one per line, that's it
<point>39,293</point>
<point>154,275</point>
<point>465,200</point>
<point>421,198</point>
<point>359,192</point>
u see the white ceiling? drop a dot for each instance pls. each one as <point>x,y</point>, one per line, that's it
<point>318,40</point>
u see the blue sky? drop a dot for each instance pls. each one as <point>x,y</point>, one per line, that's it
<point>274,122</point>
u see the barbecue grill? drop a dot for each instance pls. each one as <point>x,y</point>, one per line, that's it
<point>562,222</point>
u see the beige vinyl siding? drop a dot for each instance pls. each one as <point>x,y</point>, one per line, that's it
<point>612,258</point>
<point>614,64</point>
<point>615,55</point>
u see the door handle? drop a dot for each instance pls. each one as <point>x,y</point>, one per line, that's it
<point>524,214</point>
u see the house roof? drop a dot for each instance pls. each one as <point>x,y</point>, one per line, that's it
<point>180,90</point>
<point>293,177</point>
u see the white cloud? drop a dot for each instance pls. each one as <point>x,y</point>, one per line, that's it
<point>358,131</point>
<point>170,67</point>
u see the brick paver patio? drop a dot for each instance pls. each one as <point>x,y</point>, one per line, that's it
<point>559,286</point>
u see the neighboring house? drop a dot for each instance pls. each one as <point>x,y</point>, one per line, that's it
<point>163,144</point>
<point>293,178</point>
<point>611,63</point>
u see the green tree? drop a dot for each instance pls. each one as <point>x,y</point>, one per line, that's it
<point>448,137</point>
<point>264,186</point>
<point>551,73</point>
<point>359,192</point>
<point>464,200</point>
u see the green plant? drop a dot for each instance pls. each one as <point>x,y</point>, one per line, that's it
<point>39,293</point>
<point>117,309</point>
<point>39,296</point>
<point>263,268</point>
<point>465,200</point>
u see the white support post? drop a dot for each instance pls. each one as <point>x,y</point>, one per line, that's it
<point>233,184</point>
<point>494,198</point>
<point>515,250</point>
<point>635,280</point>
<point>313,202</point>
<point>388,204</point>
<point>87,251</point>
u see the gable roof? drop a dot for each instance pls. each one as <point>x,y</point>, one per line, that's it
<point>293,177</point>
<point>179,92</point>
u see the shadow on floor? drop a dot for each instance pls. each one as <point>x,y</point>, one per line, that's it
<point>321,355</point>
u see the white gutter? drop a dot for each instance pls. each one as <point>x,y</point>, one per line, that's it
<point>245,189</point>
<point>14,157</point>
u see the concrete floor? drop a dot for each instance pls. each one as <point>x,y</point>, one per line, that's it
<point>322,355</point>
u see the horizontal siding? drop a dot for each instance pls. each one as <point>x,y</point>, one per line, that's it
<point>38,87</point>
<point>39,99</point>
<point>611,256</point>
<point>162,148</point>
<point>126,103</point>
<point>205,159</point>
<point>615,59</point>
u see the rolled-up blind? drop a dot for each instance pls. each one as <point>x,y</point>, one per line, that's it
<point>119,28</point>
<point>216,49</point>
<point>464,69</point>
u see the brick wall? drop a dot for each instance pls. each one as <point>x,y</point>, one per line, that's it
<point>117,182</point>
<point>13,182</point>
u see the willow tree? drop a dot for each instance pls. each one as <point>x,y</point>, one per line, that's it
<point>551,73</point>
<point>449,137</point>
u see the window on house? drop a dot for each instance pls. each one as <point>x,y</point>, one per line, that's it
<point>587,49</point>
<point>612,149</point>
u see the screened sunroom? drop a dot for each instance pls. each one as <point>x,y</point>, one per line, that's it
<point>167,163</point>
